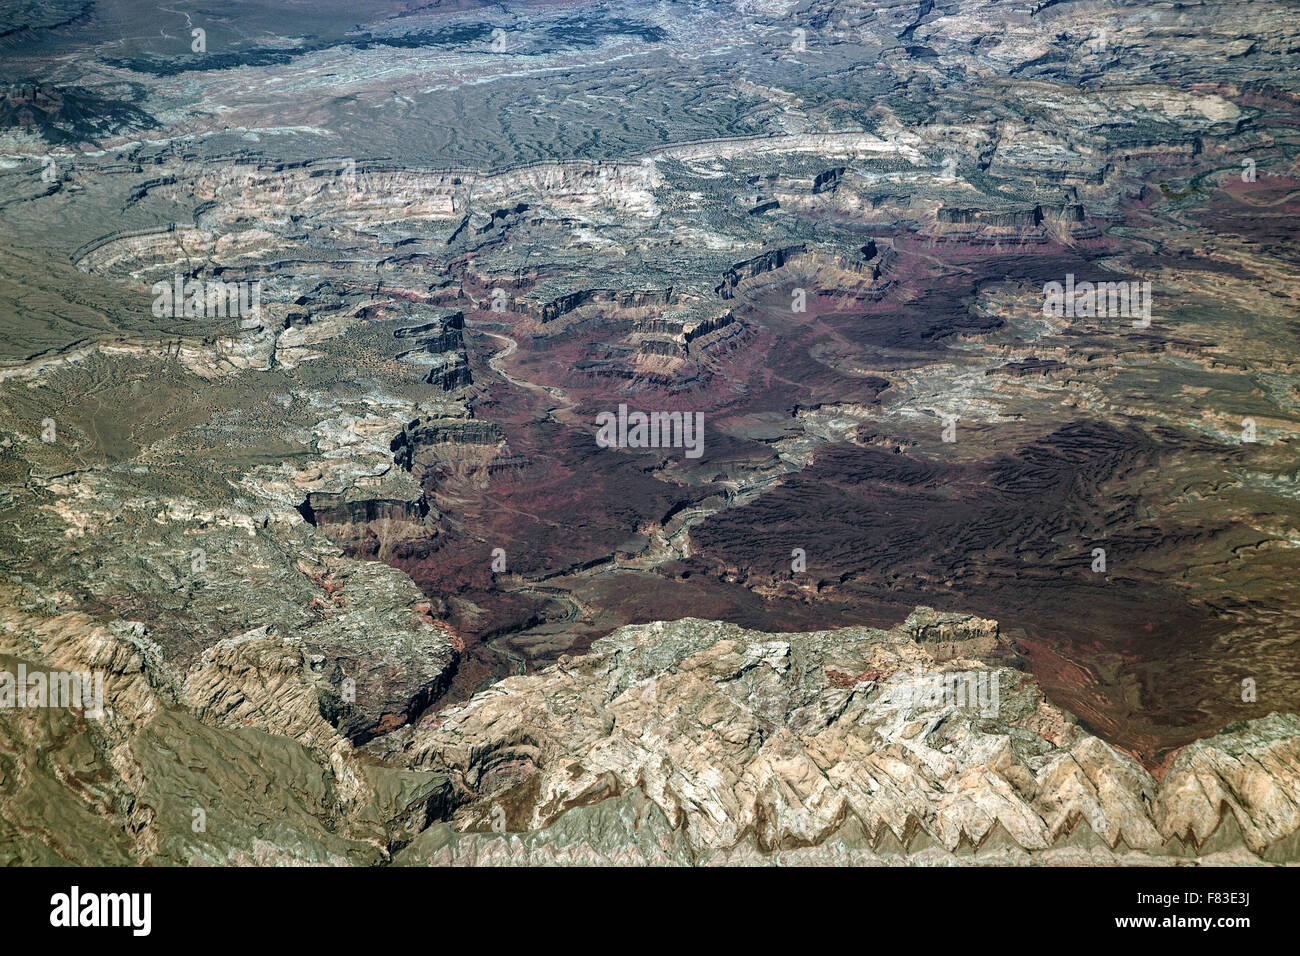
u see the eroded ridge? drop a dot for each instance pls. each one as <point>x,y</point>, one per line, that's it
<point>699,742</point>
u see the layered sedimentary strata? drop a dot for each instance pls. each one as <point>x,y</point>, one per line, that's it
<point>697,742</point>
<point>231,762</point>
<point>690,743</point>
<point>827,228</point>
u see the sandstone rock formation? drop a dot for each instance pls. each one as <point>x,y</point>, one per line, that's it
<point>686,743</point>
<point>339,561</point>
<point>701,742</point>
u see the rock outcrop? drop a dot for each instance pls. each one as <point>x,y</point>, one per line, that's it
<point>303,525</point>
<point>702,742</point>
<point>231,762</point>
<point>691,743</point>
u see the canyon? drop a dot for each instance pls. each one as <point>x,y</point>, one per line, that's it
<point>367,581</point>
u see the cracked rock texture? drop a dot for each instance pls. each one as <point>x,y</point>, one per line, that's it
<point>704,742</point>
<point>271,534</point>
<point>690,742</point>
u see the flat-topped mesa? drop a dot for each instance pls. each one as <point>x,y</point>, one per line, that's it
<point>440,350</point>
<point>946,636</point>
<point>1015,225</point>
<point>441,335</point>
<point>752,268</point>
<point>562,305</point>
<point>1007,218</point>
<point>707,326</point>
<point>419,441</point>
<point>674,336</point>
<point>348,517</point>
<point>449,371</point>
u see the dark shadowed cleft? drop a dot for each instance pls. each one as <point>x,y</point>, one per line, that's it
<point>68,114</point>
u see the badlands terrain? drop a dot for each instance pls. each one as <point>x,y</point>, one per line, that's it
<point>365,584</point>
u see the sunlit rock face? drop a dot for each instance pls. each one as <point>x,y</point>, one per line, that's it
<point>706,743</point>
<point>306,343</point>
<point>690,743</point>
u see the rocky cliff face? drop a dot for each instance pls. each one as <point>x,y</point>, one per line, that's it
<point>701,742</point>
<point>231,761</point>
<point>828,227</point>
<point>691,742</point>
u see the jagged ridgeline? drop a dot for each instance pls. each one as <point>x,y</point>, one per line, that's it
<point>687,743</point>
<point>311,342</point>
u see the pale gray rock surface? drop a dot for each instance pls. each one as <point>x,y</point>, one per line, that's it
<point>700,738</point>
